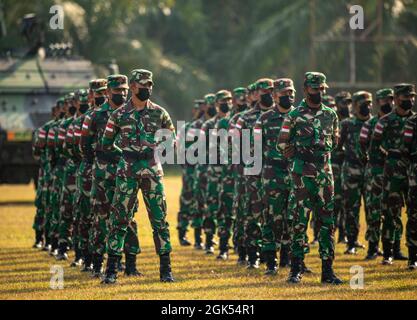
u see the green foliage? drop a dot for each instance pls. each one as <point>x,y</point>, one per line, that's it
<point>201,46</point>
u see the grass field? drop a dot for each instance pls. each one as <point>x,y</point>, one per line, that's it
<point>25,272</point>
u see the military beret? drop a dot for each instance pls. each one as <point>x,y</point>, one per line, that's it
<point>223,94</point>
<point>315,80</point>
<point>343,96</point>
<point>328,100</point>
<point>81,95</point>
<point>407,89</point>
<point>384,93</point>
<point>97,85</point>
<point>264,83</point>
<point>117,81</point>
<point>198,103</point>
<point>239,92</point>
<point>210,98</point>
<point>284,84</point>
<point>361,96</point>
<point>141,76</point>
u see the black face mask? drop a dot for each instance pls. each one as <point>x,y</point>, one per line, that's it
<point>344,112</point>
<point>267,100</point>
<point>286,101</point>
<point>315,98</point>
<point>118,99</point>
<point>72,110</point>
<point>364,109</point>
<point>224,107</point>
<point>83,108</point>
<point>61,115</point>
<point>99,101</point>
<point>406,105</point>
<point>143,94</point>
<point>211,111</point>
<point>386,108</point>
<point>241,107</point>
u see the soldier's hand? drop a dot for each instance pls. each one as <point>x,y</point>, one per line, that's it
<point>289,151</point>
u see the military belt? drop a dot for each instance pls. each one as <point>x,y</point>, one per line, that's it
<point>137,156</point>
<point>107,156</point>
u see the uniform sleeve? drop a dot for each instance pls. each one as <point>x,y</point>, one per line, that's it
<point>168,124</point>
<point>111,131</point>
<point>378,136</point>
<point>336,133</point>
<point>409,134</point>
<point>36,149</point>
<point>287,133</point>
<point>87,136</point>
<point>68,142</point>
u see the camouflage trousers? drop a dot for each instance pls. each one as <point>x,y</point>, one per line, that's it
<point>40,215</point>
<point>276,182</point>
<point>122,212</point>
<point>187,201</point>
<point>373,197</point>
<point>238,206</point>
<point>395,184</point>
<point>253,211</point>
<point>67,199</point>
<point>214,174</point>
<point>411,227</point>
<point>353,181</point>
<point>103,191</point>
<point>84,213</point>
<point>313,194</point>
<point>338,196</point>
<point>55,195</point>
<point>199,193</point>
<point>225,216</point>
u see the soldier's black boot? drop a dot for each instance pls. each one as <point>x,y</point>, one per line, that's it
<point>388,252</point>
<point>398,255</point>
<point>182,238</point>
<point>131,270</point>
<point>242,254</point>
<point>224,249</point>
<point>412,258</point>
<point>88,259</point>
<point>97,265</point>
<point>284,256</point>
<point>351,248</point>
<point>54,247</point>
<point>327,273</point>
<point>165,272</point>
<point>78,259</point>
<point>342,235</point>
<point>372,251</point>
<point>253,258</point>
<point>198,241</point>
<point>110,276</point>
<point>38,240</point>
<point>120,265</point>
<point>295,271</point>
<point>62,252</point>
<point>209,244</point>
<point>47,244</point>
<point>271,263</point>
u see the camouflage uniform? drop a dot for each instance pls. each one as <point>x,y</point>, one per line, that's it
<point>388,137</point>
<point>353,170</point>
<point>226,214</point>
<point>137,169</point>
<point>44,177</point>
<point>410,140</point>
<point>276,180</point>
<point>254,206</point>
<point>313,133</point>
<point>374,178</point>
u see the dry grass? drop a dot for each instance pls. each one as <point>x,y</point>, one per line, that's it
<point>25,272</point>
